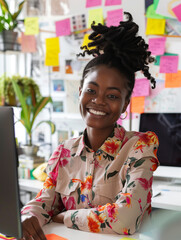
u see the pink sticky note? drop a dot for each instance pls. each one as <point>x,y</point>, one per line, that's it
<point>63,27</point>
<point>114,17</point>
<point>28,43</point>
<point>177,11</point>
<point>112,2</point>
<point>168,64</point>
<point>93,3</point>
<point>157,45</point>
<point>141,88</point>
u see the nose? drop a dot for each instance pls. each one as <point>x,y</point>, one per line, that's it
<point>99,100</point>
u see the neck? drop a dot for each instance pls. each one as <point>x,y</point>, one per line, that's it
<point>96,137</point>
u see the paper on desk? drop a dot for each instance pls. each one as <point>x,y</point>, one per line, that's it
<point>54,237</point>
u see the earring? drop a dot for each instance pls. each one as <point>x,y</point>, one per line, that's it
<point>125,116</point>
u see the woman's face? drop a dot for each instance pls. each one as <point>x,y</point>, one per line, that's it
<point>103,97</point>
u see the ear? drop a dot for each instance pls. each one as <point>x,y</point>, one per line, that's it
<point>126,105</point>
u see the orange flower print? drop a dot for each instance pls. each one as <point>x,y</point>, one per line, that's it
<point>39,194</point>
<point>111,146</point>
<point>125,231</point>
<point>93,225</point>
<point>145,139</point>
<point>127,199</point>
<point>101,208</point>
<point>86,185</point>
<point>112,210</point>
<point>49,183</point>
<point>155,164</point>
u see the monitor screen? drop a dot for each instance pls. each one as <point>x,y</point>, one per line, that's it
<point>10,218</point>
<point>167,126</point>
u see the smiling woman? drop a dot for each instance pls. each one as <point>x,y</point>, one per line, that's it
<point>101,181</point>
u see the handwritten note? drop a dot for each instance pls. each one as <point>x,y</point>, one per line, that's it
<point>173,80</point>
<point>93,3</point>
<point>63,27</point>
<point>112,2</point>
<point>95,15</point>
<point>114,17</point>
<point>157,45</point>
<point>141,88</point>
<point>31,26</point>
<point>169,64</point>
<point>177,11</point>
<point>52,51</point>
<point>155,26</point>
<point>28,43</point>
<point>137,104</point>
<point>53,236</point>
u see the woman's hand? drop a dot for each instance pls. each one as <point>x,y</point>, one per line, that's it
<point>59,218</point>
<point>32,229</point>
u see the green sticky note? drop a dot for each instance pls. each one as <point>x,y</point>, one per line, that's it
<point>157,63</point>
<point>150,13</point>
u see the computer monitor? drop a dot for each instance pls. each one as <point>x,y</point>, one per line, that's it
<point>10,218</point>
<point>167,126</point>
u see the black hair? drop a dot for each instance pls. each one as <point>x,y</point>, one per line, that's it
<point>119,47</point>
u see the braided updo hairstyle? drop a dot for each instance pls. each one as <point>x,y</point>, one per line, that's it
<point>119,47</point>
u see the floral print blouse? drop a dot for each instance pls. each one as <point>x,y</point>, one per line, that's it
<point>105,191</point>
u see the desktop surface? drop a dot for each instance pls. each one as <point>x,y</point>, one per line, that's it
<point>72,234</point>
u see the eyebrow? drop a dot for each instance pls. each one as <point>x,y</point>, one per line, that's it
<point>110,88</point>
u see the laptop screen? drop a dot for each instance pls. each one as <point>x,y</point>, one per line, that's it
<point>167,126</point>
<point>10,218</point>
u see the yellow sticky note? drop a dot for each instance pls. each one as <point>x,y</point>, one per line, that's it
<point>31,26</point>
<point>52,58</point>
<point>125,238</point>
<point>155,26</point>
<point>86,40</point>
<point>95,15</point>
<point>52,44</point>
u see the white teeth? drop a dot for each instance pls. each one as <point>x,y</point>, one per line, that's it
<point>96,112</point>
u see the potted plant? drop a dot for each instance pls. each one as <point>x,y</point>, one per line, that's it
<point>29,114</point>
<point>29,87</point>
<point>8,23</point>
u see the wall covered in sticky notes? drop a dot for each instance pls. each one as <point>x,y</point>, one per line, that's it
<point>52,35</point>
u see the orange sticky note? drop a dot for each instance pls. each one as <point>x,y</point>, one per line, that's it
<point>173,80</point>
<point>54,237</point>
<point>137,104</point>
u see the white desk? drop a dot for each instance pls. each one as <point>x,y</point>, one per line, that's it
<point>30,185</point>
<point>71,234</point>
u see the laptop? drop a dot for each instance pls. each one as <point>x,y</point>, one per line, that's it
<point>10,217</point>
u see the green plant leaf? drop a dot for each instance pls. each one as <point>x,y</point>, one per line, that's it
<point>39,106</point>
<point>25,112</point>
<point>50,123</point>
<point>16,14</point>
<point>4,5</point>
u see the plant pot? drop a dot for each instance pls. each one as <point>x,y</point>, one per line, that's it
<point>8,41</point>
<point>30,150</point>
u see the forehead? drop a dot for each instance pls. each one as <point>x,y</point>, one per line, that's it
<point>107,76</point>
